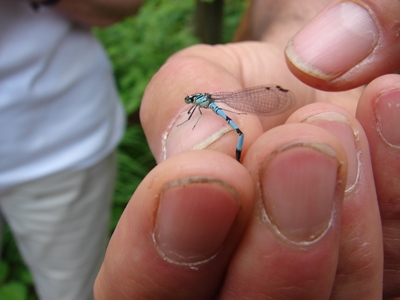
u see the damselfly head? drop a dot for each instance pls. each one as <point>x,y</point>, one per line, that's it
<point>192,98</point>
<point>189,99</point>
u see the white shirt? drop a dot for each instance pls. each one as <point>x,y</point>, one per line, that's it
<point>59,107</point>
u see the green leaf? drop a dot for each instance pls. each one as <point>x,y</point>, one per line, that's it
<point>13,291</point>
<point>3,271</point>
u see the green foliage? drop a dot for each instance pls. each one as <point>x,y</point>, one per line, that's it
<point>15,280</point>
<point>233,10</point>
<point>135,161</point>
<point>138,46</point>
<point>13,291</point>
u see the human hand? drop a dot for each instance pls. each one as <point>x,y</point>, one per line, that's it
<point>228,240</point>
<point>241,223</point>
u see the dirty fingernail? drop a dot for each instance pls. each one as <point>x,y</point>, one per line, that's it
<point>193,219</point>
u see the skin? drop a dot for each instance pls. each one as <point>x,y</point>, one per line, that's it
<point>312,212</point>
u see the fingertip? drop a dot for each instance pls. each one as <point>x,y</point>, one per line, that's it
<point>299,171</point>
<point>379,108</point>
<point>346,45</point>
<point>179,229</point>
<point>359,207</point>
<point>303,151</point>
<point>378,112</point>
<point>169,126</point>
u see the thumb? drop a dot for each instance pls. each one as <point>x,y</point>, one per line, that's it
<point>347,45</point>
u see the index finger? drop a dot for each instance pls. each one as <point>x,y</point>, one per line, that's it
<point>210,69</point>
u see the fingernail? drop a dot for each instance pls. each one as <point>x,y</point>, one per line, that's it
<point>193,219</point>
<point>298,189</point>
<point>200,132</point>
<point>334,42</point>
<point>339,126</point>
<point>387,117</point>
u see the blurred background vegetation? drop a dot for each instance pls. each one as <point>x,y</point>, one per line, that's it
<point>137,46</point>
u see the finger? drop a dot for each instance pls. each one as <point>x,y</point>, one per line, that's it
<point>347,45</point>
<point>290,248</point>
<point>175,237</point>
<point>359,272</point>
<point>209,69</point>
<point>378,112</point>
